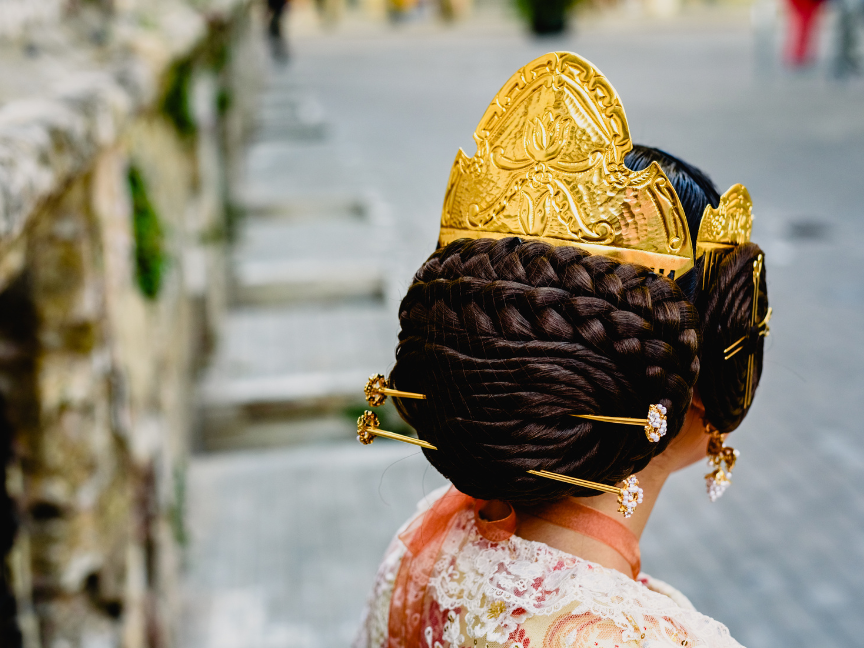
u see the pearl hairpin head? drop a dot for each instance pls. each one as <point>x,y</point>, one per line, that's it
<point>654,424</point>
<point>630,496</point>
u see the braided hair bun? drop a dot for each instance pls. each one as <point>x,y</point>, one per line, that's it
<point>508,339</point>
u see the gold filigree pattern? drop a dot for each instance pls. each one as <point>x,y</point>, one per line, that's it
<point>550,166</point>
<point>730,224</point>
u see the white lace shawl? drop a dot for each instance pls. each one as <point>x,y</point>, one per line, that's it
<point>495,588</point>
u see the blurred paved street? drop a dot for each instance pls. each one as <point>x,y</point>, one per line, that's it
<point>343,189</point>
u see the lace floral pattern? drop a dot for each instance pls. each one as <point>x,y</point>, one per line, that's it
<point>524,594</point>
<point>373,628</point>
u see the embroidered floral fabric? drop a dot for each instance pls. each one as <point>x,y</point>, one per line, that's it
<point>523,594</point>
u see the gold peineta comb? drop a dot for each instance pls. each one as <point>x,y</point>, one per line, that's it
<point>723,228</point>
<point>550,166</point>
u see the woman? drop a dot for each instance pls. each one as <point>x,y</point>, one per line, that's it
<point>567,347</point>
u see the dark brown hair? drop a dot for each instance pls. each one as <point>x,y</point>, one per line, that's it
<point>507,339</point>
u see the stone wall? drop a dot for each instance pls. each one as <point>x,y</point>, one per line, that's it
<point>119,123</point>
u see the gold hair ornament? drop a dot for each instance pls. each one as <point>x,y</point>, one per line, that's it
<point>377,390</point>
<point>550,166</point>
<point>738,345</point>
<point>751,359</point>
<point>718,480</point>
<point>628,496</point>
<point>723,228</point>
<point>367,430</point>
<point>655,424</point>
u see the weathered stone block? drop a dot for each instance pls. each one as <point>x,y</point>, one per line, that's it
<point>97,376</point>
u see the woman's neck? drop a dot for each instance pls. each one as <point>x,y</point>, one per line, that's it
<point>651,480</point>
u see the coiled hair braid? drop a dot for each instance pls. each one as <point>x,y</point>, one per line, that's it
<point>726,309</point>
<point>507,339</point>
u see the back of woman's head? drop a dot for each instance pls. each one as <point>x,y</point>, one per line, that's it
<point>508,339</point>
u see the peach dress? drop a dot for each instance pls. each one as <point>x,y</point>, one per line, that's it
<point>457,588</point>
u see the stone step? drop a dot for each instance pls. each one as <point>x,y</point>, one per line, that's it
<point>288,116</point>
<point>281,261</point>
<point>299,354</point>
<point>289,130</point>
<point>305,109</point>
<point>280,171</point>
<point>241,429</point>
<point>290,281</point>
<point>315,208</point>
<point>285,376</point>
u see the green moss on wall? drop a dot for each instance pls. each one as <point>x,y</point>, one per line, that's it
<point>177,511</point>
<point>150,257</point>
<point>224,101</point>
<point>176,102</point>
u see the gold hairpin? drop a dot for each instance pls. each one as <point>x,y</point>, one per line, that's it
<point>751,360</point>
<point>737,345</point>
<point>628,496</point>
<point>367,430</point>
<point>655,424</point>
<point>722,229</point>
<point>377,390</point>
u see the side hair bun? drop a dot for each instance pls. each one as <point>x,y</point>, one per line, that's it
<point>726,308</point>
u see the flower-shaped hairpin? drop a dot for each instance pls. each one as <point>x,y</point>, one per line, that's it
<point>655,424</point>
<point>377,390</point>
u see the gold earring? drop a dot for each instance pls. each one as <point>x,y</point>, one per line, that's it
<point>718,480</point>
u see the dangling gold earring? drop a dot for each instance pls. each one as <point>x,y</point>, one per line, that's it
<point>718,480</point>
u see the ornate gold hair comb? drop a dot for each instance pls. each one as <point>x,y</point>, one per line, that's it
<point>655,424</point>
<point>721,229</point>
<point>367,429</point>
<point>550,166</point>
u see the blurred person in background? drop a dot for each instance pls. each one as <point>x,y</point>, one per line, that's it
<point>803,21</point>
<point>850,16</point>
<point>275,34</point>
<point>592,321</point>
<point>451,10</point>
<point>546,17</point>
<point>398,9</point>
